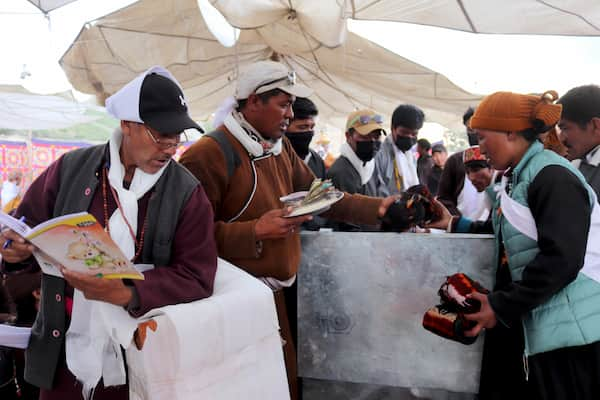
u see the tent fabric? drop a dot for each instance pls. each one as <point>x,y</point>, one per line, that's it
<point>550,17</point>
<point>172,33</point>
<point>48,5</point>
<point>22,110</point>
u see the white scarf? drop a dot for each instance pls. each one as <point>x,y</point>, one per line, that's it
<point>469,201</point>
<point>592,158</point>
<point>98,329</point>
<point>521,218</point>
<point>9,191</point>
<point>365,170</point>
<point>249,137</point>
<point>407,166</point>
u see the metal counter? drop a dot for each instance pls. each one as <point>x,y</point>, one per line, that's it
<point>361,299</point>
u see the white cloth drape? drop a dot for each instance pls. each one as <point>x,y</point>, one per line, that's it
<point>98,329</point>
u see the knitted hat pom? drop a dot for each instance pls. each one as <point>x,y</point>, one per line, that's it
<point>545,114</point>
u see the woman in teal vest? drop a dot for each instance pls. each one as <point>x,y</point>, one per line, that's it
<point>546,221</point>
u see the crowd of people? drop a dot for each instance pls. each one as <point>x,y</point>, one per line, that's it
<point>222,200</point>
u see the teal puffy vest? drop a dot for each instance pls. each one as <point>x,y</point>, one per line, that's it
<point>572,316</point>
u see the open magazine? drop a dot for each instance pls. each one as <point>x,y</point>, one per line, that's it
<point>78,242</point>
<point>318,199</point>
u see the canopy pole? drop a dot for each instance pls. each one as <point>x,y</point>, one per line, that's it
<point>30,154</point>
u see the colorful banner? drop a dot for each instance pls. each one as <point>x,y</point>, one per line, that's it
<point>45,152</point>
<point>181,149</point>
<point>15,156</point>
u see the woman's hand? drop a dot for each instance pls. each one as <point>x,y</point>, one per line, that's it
<point>485,317</point>
<point>443,222</point>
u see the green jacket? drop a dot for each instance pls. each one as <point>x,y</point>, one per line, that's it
<point>572,316</point>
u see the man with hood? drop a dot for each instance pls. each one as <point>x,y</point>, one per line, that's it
<point>395,164</point>
<point>154,210</point>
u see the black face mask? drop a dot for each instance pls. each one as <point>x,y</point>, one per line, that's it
<point>365,151</point>
<point>473,139</point>
<point>300,142</point>
<point>404,143</point>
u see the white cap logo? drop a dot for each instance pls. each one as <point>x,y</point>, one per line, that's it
<point>182,100</point>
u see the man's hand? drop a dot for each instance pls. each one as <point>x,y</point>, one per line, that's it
<point>274,225</point>
<point>111,291</point>
<point>444,221</point>
<point>17,251</point>
<point>385,204</point>
<point>485,318</point>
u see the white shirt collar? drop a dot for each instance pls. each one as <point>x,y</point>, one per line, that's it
<point>593,157</point>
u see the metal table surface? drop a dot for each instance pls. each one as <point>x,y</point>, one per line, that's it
<point>361,299</point>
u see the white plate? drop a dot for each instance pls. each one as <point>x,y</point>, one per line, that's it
<point>316,207</point>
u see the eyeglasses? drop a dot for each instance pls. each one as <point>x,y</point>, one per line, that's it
<point>365,119</point>
<point>265,87</point>
<point>161,144</point>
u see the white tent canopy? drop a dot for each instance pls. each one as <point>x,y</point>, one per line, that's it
<point>357,74</point>
<point>22,110</point>
<point>548,17</point>
<point>48,5</point>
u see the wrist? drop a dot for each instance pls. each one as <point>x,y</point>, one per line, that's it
<point>127,295</point>
<point>258,234</point>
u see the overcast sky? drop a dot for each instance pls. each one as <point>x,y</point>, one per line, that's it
<point>479,63</point>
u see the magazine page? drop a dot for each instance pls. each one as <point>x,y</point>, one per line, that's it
<point>79,243</point>
<point>15,337</point>
<point>48,265</point>
<point>19,226</point>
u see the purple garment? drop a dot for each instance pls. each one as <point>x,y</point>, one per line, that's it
<point>66,387</point>
<point>190,275</point>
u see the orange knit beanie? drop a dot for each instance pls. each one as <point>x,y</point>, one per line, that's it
<point>513,112</point>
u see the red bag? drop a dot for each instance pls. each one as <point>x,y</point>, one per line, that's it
<point>455,290</point>
<point>450,325</point>
<point>447,319</point>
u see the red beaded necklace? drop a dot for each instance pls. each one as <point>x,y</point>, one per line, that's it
<point>139,245</point>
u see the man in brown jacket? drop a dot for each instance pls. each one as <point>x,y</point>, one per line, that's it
<point>245,166</point>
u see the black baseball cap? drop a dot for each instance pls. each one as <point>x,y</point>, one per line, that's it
<point>162,106</point>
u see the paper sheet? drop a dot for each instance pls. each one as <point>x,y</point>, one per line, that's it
<point>16,337</point>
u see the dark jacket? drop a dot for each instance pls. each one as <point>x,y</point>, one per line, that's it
<point>345,178</point>
<point>316,164</point>
<point>591,174</point>
<point>424,167</point>
<point>452,182</point>
<point>79,173</point>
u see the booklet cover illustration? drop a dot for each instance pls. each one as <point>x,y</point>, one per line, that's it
<point>79,243</point>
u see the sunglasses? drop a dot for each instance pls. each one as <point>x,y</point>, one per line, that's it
<point>365,119</point>
<point>265,87</point>
<point>162,144</point>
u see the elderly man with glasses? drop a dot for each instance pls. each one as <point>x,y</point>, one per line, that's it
<point>154,210</point>
<point>245,166</point>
